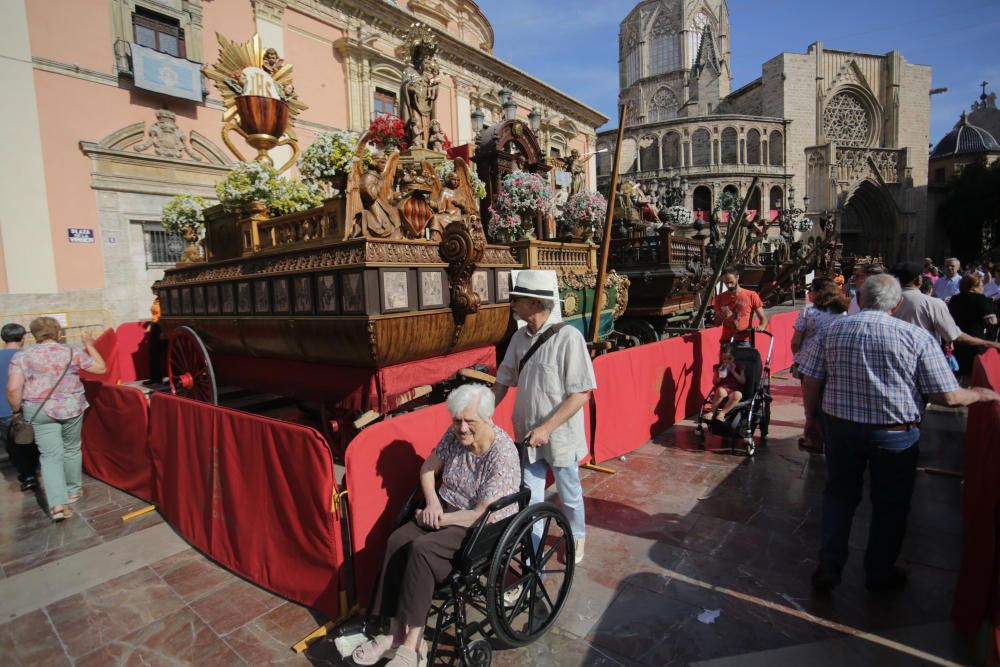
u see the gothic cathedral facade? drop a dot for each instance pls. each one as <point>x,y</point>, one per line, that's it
<point>848,129</point>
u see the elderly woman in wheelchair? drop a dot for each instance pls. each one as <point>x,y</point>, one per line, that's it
<point>478,463</point>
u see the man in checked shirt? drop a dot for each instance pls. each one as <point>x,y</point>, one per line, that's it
<point>867,382</point>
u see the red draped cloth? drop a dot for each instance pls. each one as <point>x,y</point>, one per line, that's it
<point>976,594</point>
<point>115,439</point>
<point>255,494</point>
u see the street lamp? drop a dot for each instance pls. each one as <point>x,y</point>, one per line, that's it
<point>509,106</point>
<point>790,220</point>
<point>535,119</point>
<point>675,189</point>
<point>478,117</point>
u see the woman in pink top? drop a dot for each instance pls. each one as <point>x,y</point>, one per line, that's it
<point>43,384</point>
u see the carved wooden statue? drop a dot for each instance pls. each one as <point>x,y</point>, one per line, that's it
<point>419,90</point>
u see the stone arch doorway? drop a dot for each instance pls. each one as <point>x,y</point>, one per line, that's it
<point>869,224</point>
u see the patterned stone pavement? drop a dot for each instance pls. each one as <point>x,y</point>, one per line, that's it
<point>677,532</point>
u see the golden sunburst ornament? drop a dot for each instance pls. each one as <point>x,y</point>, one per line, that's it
<point>258,95</point>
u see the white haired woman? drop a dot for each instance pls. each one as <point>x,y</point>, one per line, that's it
<point>478,463</point>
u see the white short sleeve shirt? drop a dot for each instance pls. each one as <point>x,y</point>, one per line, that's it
<point>560,367</point>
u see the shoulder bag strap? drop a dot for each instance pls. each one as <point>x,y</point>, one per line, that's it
<point>55,386</point>
<point>544,336</point>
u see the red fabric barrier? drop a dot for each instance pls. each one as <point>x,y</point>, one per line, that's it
<point>644,390</point>
<point>976,594</point>
<point>252,493</point>
<point>133,351</point>
<point>382,464</point>
<point>115,439</point>
<point>781,327</point>
<point>107,345</point>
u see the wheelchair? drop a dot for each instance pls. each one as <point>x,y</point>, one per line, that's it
<point>516,590</point>
<point>753,412</point>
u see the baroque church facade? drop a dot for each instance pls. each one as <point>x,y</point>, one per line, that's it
<point>850,130</point>
<point>102,145</point>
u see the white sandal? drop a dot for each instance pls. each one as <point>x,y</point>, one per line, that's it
<point>372,650</point>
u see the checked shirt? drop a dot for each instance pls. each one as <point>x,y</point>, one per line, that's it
<point>878,369</point>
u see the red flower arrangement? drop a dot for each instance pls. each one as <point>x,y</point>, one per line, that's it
<point>387,132</point>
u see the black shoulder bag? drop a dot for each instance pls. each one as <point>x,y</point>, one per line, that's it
<point>21,429</point>
<point>542,337</point>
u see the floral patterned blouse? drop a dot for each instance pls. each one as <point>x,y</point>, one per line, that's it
<point>41,365</point>
<point>468,479</point>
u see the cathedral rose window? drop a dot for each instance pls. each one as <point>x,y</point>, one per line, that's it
<point>846,120</point>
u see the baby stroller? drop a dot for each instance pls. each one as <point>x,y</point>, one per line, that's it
<point>754,409</point>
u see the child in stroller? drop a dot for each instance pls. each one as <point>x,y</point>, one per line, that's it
<point>739,405</point>
<point>729,378</point>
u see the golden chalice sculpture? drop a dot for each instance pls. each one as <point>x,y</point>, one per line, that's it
<point>259,97</point>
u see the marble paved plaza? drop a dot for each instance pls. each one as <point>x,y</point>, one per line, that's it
<point>693,557</point>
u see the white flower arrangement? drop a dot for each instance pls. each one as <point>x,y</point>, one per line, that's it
<point>680,216</point>
<point>331,154</point>
<point>183,211</point>
<point>253,181</point>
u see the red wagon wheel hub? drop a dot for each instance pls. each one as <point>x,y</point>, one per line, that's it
<point>190,369</point>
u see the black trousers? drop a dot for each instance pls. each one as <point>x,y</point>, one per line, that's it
<point>23,457</point>
<point>417,560</point>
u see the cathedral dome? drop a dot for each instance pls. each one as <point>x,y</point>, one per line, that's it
<point>965,139</point>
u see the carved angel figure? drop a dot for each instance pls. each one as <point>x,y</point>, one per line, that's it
<point>372,200</point>
<point>452,200</point>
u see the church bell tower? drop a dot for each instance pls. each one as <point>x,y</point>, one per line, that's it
<point>673,59</point>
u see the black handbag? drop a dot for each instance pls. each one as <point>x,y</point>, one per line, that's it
<point>21,429</point>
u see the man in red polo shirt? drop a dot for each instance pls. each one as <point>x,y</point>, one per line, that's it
<point>736,307</point>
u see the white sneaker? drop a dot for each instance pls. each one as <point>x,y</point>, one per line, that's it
<point>511,596</point>
<point>578,543</point>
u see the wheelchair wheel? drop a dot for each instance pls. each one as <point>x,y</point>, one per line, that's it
<point>527,587</point>
<point>750,445</point>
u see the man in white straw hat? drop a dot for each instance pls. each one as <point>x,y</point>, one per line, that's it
<point>550,366</point>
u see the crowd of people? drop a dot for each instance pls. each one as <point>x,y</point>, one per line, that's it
<point>871,359</point>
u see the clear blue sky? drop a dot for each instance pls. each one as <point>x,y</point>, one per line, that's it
<point>572,44</point>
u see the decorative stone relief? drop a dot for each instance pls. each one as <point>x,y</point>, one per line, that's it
<point>166,139</point>
<point>846,121</point>
<point>663,105</point>
<point>855,164</point>
<point>270,10</point>
<point>664,24</point>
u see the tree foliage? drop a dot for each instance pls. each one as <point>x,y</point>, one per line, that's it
<point>970,211</point>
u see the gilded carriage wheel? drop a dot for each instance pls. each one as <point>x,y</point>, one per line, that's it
<point>189,368</point>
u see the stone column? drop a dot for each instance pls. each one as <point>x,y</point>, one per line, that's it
<point>24,206</point>
<point>358,84</point>
<point>269,19</point>
<point>592,163</point>
<point>463,111</point>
